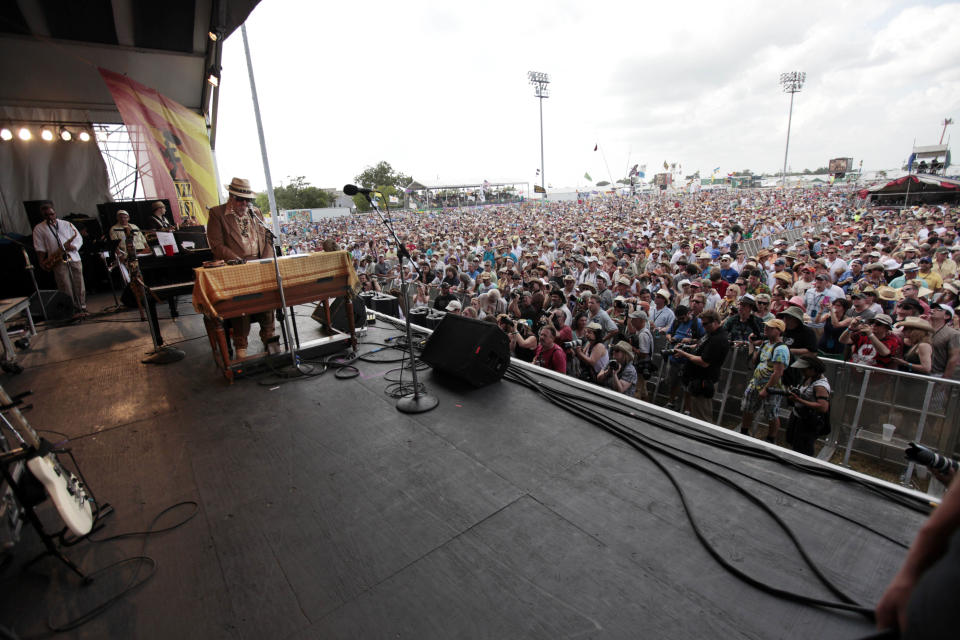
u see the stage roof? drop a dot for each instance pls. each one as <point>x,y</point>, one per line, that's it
<point>50,51</point>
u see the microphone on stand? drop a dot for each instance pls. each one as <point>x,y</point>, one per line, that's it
<point>352,190</point>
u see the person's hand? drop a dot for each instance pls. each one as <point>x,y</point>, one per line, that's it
<point>891,612</point>
<point>763,392</point>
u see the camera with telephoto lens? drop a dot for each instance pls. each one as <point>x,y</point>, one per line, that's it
<point>569,345</point>
<point>613,365</point>
<point>930,458</point>
<point>669,352</point>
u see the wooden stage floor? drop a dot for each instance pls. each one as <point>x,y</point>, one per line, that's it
<point>325,513</point>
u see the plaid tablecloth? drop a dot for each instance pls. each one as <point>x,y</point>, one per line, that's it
<point>225,283</point>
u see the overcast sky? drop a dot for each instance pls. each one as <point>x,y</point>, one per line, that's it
<point>440,90</point>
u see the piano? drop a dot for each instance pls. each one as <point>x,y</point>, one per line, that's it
<point>231,291</point>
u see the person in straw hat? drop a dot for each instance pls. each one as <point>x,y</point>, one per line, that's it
<point>918,352</point>
<point>236,232</point>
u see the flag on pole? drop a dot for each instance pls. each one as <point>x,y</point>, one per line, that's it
<point>666,165</point>
<point>596,146</point>
<point>587,176</point>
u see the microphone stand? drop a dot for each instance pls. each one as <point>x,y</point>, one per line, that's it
<point>416,402</point>
<point>28,266</point>
<point>294,360</point>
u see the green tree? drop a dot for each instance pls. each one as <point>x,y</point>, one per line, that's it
<point>382,175</point>
<point>299,194</point>
<point>386,190</point>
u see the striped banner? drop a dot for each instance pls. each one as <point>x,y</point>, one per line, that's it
<point>172,147</point>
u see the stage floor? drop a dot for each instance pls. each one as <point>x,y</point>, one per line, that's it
<point>326,513</point>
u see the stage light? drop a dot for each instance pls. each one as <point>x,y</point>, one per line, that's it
<point>84,136</point>
<point>65,134</point>
<point>541,90</point>
<point>213,36</point>
<point>46,134</point>
<point>6,134</point>
<point>24,134</point>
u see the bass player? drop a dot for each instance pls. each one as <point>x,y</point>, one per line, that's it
<point>56,243</point>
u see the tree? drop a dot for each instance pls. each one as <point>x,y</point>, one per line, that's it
<point>382,175</point>
<point>299,194</point>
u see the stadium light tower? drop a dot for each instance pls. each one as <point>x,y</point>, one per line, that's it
<point>540,80</point>
<point>792,83</point>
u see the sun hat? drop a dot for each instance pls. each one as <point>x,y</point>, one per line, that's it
<point>882,318</point>
<point>239,187</point>
<point>793,312</point>
<point>624,346</point>
<point>915,323</point>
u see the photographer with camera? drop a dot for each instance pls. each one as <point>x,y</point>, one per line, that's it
<point>620,374</point>
<point>702,366</point>
<point>684,332</point>
<point>874,342</point>
<point>593,356</point>
<point>921,599</point>
<point>522,342</point>
<point>636,333</point>
<point>810,416</point>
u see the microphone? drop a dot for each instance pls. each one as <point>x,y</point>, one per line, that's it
<point>352,190</point>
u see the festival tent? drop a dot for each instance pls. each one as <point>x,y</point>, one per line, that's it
<point>914,189</point>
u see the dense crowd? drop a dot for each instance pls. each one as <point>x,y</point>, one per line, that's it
<point>589,288</point>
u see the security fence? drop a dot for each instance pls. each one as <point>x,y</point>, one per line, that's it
<point>863,400</point>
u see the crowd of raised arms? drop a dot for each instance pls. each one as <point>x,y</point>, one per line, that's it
<point>579,284</point>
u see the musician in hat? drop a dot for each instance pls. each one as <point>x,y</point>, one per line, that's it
<point>158,217</point>
<point>57,243</point>
<point>236,231</point>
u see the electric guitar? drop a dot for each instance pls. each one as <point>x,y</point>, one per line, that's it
<point>64,489</point>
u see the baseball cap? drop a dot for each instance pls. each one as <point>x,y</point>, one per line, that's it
<point>454,305</point>
<point>776,323</point>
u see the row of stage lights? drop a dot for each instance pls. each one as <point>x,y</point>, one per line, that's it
<point>46,133</point>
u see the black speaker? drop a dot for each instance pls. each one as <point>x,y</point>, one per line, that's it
<point>338,314</point>
<point>59,306</point>
<point>474,351</point>
<point>385,304</point>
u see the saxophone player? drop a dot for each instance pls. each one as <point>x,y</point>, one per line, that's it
<point>57,243</point>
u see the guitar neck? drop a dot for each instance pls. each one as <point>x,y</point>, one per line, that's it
<point>19,422</point>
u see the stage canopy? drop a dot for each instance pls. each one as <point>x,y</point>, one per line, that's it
<point>914,189</point>
<point>50,52</point>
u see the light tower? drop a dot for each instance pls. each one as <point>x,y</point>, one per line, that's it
<point>792,83</point>
<point>540,80</point>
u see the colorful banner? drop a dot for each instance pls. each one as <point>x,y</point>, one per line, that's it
<point>172,147</point>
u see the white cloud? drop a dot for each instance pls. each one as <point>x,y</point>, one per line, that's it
<point>439,89</point>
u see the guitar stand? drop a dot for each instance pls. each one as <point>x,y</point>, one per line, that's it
<point>28,498</point>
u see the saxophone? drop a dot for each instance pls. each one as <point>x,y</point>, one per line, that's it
<point>56,257</point>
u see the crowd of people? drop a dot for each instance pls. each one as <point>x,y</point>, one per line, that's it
<point>590,288</point>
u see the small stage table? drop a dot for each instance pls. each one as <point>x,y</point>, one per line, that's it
<point>9,308</point>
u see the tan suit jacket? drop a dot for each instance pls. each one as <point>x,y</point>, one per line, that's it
<point>224,236</point>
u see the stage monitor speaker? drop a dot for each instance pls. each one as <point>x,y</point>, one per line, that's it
<point>474,351</point>
<point>338,314</point>
<point>59,306</point>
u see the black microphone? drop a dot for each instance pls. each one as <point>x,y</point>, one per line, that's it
<point>352,190</point>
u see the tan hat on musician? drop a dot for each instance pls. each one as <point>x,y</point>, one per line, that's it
<point>240,187</point>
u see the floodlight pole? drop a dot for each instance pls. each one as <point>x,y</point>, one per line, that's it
<point>540,80</point>
<point>792,83</point>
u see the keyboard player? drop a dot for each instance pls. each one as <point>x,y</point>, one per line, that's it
<point>236,232</point>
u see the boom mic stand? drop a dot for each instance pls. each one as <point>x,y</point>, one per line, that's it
<point>416,402</point>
